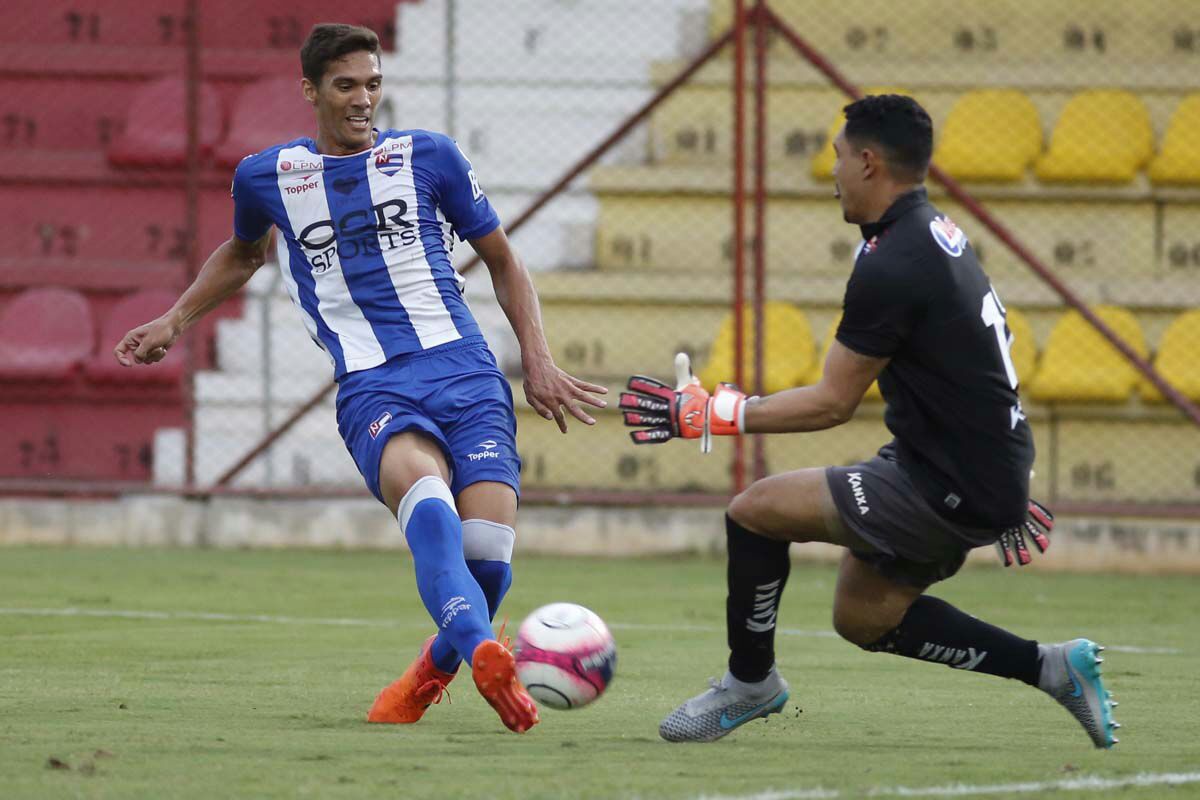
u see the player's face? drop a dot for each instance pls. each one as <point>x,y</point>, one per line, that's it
<point>847,178</point>
<point>346,102</point>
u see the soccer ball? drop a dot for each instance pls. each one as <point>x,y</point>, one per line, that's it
<point>565,655</point>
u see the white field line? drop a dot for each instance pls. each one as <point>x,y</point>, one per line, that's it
<point>1087,783</point>
<point>212,616</point>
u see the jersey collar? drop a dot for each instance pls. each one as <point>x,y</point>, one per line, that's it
<point>901,206</point>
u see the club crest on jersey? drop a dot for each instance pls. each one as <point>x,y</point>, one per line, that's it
<point>948,236</point>
<point>379,424</point>
<point>867,247</point>
<point>389,163</point>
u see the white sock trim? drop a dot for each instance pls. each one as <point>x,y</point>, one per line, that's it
<point>424,488</point>
<point>484,540</point>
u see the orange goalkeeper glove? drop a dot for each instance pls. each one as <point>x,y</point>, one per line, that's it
<point>1038,524</point>
<point>687,411</point>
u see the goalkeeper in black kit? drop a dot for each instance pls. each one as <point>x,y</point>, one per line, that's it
<point>920,316</point>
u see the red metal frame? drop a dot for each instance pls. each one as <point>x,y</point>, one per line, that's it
<point>739,222</point>
<point>761,22</point>
<point>191,224</point>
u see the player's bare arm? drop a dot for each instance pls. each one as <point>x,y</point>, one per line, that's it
<point>828,403</point>
<point>225,271</point>
<point>548,389</point>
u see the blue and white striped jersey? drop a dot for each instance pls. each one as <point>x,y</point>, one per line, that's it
<point>366,239</point>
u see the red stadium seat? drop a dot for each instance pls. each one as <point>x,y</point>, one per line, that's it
<point>266,113</point>
<point>45,334</point>
<point>127,314</point>
<point>156,131</point>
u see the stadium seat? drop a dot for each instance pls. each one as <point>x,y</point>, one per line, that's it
<point>155,132</point>
<point>266,113</point>
<point>1101,136</point>
<point>1078,364</point>
<point>873,392</point>
<point>1177,358</point>
<point>787,353</point>
<point>45,334</point>
<point>1178,160</point>
<point>970,148</point>
<point>128,313</point>
<point>822,163</point>
<point>1024,345</point>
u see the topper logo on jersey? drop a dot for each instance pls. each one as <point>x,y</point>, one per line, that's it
<point>948,236</point>
<point>359,232</point>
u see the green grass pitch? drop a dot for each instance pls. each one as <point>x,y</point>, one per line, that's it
<point>170,703</point>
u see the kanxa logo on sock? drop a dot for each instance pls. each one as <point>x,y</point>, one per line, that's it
<point>959,659</point>
<point>453,607</point>
<point>856,486</point>
<point>766,603</point>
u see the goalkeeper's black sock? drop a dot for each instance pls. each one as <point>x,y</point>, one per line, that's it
<point>934,630</point>
<point>758,571</point>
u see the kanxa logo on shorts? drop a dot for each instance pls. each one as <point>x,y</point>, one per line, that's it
<point>860,497</point>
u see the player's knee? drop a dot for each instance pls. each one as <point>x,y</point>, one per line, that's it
<point>747,507</point>
<point>860,624</point>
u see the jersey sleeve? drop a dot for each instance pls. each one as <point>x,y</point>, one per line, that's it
<point>879,308</point>
<point>250,220</point>
<point>461,198</point>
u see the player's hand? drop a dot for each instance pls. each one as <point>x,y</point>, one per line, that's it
<point>549,390</point>
<point>147,344</point>
<point>687,411</point>
<point>1038,524</point>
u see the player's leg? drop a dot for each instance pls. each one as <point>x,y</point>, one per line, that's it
<point>488,510</point>
<point>760,525</point>
<point>475,413</point>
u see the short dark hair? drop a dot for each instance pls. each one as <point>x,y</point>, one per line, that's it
<point>899,126</point>
<point>330,41</point>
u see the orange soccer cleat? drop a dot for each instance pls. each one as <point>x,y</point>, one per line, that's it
<point>404,700</point>
<point>495,673</point>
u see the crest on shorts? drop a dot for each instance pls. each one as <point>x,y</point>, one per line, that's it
<point>948,236</point>
<point>380,423</point>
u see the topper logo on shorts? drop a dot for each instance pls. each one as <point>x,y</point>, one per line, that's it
<point>487,450</point>
<point>948,236</point>
<point>860,497</point>
<point>380,423</point>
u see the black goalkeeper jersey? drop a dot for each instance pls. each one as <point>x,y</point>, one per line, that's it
<point>918,296</point>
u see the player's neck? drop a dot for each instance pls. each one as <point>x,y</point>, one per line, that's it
<point>884,200</point>
<point>327,146</point>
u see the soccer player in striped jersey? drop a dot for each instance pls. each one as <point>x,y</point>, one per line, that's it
<point>366,222</point>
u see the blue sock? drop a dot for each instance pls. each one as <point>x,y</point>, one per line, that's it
<point>487,547</point>
<point>450,594</point>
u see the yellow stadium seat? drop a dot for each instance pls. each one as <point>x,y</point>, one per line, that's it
<point>787,353</point>
<point>822,163</point>
<point>1024,345</point>
<point>1177,358</point>
<point>1101,136</point>
<point>819,366</point>
<point>1179,159</point>
<point>990,135</point>
<point>1078,364</point>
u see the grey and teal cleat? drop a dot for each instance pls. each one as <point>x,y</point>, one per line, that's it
<point>1071,675</point>
<point>727,705</point>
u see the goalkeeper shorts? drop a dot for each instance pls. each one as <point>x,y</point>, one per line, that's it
<point>454,393</point>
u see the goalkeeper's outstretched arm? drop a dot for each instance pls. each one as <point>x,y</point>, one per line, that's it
<point>828,403</point>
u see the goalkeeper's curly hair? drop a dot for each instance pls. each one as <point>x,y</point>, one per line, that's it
<point>899,126</point>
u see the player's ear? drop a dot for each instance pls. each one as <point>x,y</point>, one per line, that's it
<point>310,90</point>
<point>870,162</point>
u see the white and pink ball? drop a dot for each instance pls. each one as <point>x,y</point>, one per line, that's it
<point>565,655</point>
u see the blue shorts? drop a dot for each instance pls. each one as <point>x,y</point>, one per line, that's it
<point>454,392</point>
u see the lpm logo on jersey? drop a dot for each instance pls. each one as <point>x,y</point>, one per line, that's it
<point>389,163</point>
<point>948,235</point>
<point>380,424</point>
